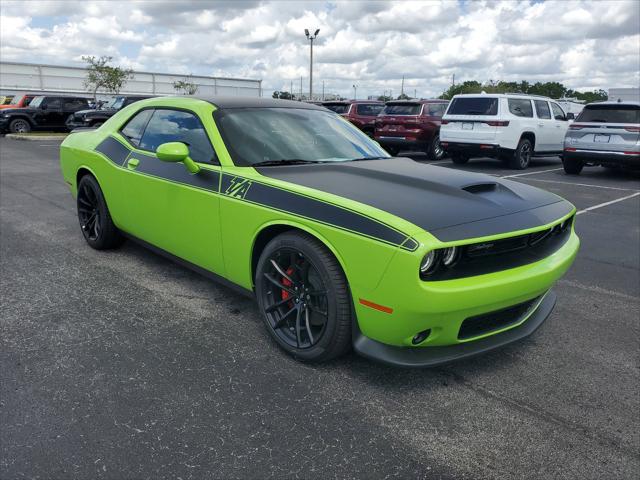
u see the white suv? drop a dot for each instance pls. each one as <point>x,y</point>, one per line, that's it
<point>512,127</point>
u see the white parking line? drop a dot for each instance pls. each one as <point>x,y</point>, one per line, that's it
<point>532,173</point>
<point>607,203</point>
<point>583,185</point>
<point>48,144</point>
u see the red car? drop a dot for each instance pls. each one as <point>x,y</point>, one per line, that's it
<point>362,113</point>
<point>411,125</point>
<point>19,101</point>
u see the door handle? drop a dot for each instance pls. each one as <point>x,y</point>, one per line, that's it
<point>132,164</point>
<point>541,124</point>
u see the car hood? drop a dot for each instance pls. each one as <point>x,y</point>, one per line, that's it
<point>7,111</point>
<point>450,204</point>
<point>92,112</point>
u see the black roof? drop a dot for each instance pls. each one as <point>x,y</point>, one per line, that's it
<point>256,102</point>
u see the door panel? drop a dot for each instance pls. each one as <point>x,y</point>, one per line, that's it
<point>173,209</point>
<point>545,127</point>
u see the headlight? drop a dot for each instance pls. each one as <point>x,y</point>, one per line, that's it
<point>449,256</point>
<point>429,262</point>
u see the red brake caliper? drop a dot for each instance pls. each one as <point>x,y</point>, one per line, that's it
<point>287,283</point>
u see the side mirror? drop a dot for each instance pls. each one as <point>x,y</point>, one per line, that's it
<point>570,116</point>
<point>177,152</point>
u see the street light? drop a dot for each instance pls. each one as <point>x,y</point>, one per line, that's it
<point>311,38</point>
<point>355,92</point>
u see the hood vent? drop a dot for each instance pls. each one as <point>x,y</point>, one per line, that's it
<point>480,188</point>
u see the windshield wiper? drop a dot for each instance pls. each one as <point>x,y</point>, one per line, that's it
<point>288,161</point>
<point>367,158</point>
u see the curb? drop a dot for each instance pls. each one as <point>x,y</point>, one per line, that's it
<point>16,136</point>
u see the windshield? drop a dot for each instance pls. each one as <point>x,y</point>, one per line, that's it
<point>338,107</point>
<point>115,103</point>
<point>256,135</point>
<point>35,103</point>
<point>404,109</point>
<point>473,106</point>
<point>610,114</point>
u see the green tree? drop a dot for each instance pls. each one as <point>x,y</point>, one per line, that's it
<point>384,98</point>
<point>404,96</point>
<point>186,86</point>
<point>101,75</point>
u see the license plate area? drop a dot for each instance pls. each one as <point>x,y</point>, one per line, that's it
<point>599,138</point>
<point>467,126</point>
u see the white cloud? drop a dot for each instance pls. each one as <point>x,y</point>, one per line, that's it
<point>582,43</point>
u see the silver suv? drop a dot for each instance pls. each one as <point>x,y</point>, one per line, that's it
<point>607,134</point>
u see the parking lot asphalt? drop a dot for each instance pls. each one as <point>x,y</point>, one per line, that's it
<point>124,365</point>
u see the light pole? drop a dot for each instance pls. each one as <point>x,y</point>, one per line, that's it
<point>311,38</point>
<point>355,91</point>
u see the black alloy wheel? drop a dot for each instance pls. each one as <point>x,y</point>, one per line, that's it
<point>304,298</point>
<point>435,151</point>
<point>19,125</point>
<point>95,221</point>
<point>522,155</point>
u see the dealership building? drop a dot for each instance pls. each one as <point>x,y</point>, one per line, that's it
<point>16,77</point>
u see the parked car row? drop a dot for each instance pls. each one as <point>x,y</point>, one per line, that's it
<point>57,112</point>
<point>397,125</point>
<point>513,128</point>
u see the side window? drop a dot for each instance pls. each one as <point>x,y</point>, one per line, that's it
<point>74,103</point>
<point>177,126</point>
<point>558,113</point>
<point>53,103</point>
<point>135,127</point>
<point>542,109</point>
<point>520,107</point>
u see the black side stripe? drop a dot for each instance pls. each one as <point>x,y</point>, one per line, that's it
<point>294,203</point>
<point>259,193</point>
<point>113,150</point>
<point>175,172</point>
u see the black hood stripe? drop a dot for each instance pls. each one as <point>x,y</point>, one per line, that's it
<point>450,204</point>
<point>314,209</point>
<point>258,193</point>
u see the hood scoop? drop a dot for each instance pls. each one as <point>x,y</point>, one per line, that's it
<point>481,187</point>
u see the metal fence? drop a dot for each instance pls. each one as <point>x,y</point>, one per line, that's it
<point>18,77</point>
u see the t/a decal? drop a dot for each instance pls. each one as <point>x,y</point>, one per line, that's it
<point>238,188</point>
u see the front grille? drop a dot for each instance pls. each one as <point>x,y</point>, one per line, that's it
<point>494,256</point>
<point>492,321</point>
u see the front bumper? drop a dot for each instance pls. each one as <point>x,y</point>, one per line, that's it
<point>433,356</point>
<point>602,157</point>
<point>4,124</point>
<point>72,123</point>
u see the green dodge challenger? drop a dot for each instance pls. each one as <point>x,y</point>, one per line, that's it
<point>342,245</point>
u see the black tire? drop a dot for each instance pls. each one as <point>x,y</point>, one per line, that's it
<point>459,158</point>
<point>435,150</point>
<point>572,166</point>
<point>393,151</point>
<point>94,217</point>
<point>19,125</point>
<point>522,156</point>
<point>312,327</point>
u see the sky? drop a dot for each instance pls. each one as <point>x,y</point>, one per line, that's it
<point>585,44</point>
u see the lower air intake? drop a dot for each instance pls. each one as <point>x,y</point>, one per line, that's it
<point>492,321</point>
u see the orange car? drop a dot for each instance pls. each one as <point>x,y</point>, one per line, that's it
<point>19,101</point>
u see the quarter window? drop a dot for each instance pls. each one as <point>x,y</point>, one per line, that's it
<point>558,113</point>
<point>542,109</point>
<point>177,126</point>
<point>135,127</point>
<point>520,107</point>
<point>434,109</point>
